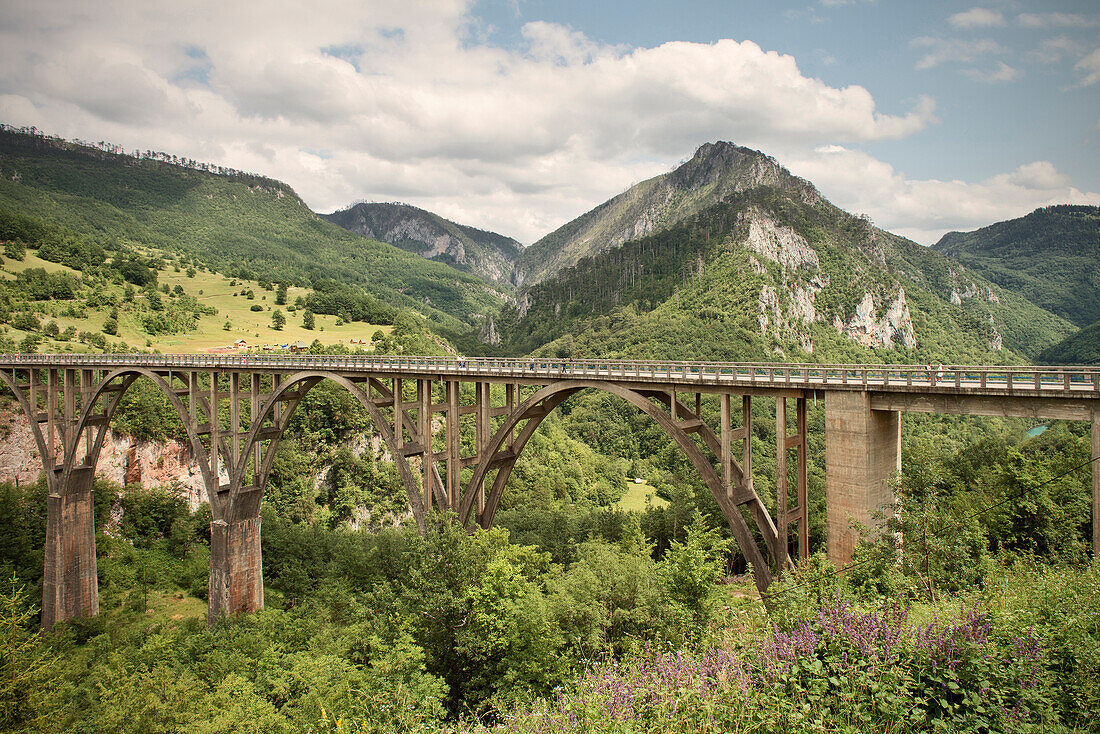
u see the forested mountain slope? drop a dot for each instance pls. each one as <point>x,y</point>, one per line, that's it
<point>237,223</point>
<point>765,268</point>
<point>487,254</point>
<point>1051,257</point>
<point>1082,347</point>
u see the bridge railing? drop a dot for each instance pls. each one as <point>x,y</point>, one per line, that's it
<point>1017,378</point>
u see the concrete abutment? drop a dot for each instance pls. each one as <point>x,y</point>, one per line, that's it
<point>862,455</point>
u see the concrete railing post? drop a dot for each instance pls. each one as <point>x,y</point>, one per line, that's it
<point>70,589</point>
<point>862,454</point>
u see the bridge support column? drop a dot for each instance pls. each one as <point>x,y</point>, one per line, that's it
<point>1095,484</point>
<point>236,563</point>
<point>862,453</point>
<point>70,588</point>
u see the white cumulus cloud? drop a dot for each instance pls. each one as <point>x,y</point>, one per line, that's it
<point>370,99</point>
<point>1089,68</point>
<point>924,210</point>
<point>1056,20</point>
<point>1001,73</point>
<point>977,18</point>
<point>953,50</point>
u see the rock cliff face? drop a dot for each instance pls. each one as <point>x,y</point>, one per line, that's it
<point>490,255</point>
<point>790,305</point>
<point>895,327</point>
<point>122,460</point>
<point>148,464</point>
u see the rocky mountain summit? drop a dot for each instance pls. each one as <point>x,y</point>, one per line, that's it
<point>487,254</point>
<point>716,172</point>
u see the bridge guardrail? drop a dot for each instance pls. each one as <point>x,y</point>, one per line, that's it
<point>1070,379</point>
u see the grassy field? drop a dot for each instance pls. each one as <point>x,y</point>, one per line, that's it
<point>638,496</point>
<point>210,289</point>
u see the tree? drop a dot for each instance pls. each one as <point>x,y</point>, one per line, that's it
<point>307,320</point>
<point>278,321</point>
<point>280,295</point>
<point>25,668</point>
<point>15,250</point>
<point>30,343</point>
<point>110,326</point>
<point>691,570</point>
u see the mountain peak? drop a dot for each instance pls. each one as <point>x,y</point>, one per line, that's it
<point>724,149</point>
<point>429,235</point>
<point>716,172</point>
<point>731,168</point>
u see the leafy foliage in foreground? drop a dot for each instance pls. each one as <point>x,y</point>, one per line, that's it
<point>839,669</point>
<point>392,631</point>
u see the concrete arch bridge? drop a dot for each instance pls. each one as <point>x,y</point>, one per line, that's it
<point>235,410</point>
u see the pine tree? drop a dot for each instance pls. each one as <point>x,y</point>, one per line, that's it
<point>307,320</point>
<point>24,664</point>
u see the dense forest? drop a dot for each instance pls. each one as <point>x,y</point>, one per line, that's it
<point>573,616</point>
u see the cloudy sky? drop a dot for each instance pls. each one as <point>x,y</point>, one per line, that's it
<point>518,115</point>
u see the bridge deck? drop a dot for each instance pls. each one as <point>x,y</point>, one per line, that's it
<point>974,380</point>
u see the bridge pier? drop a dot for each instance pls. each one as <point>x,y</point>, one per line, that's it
<point>236,562</point>
<point>70,588</point>
<point>1095,484</point>
<point>862,454</point>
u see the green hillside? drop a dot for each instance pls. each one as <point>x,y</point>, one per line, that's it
<point>205,311</point>
<point>1051,257</point>
<point>238,224</point>
<point>1082,347</point>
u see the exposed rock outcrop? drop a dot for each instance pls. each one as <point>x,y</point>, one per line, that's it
<point>779,243</point>
<point>122,460</point>
<point>487,254</point>
<point>894,327</point>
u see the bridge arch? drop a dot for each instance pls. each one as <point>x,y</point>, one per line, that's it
<point>291,392</point>
<point>129,376</point>
<point>36,431</point>
<point>535,409</point>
